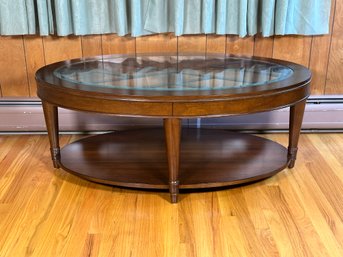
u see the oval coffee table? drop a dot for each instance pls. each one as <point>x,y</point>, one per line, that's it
<point>173,87</point>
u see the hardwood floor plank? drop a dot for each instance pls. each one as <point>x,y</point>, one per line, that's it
<point>323,217</point>
<point>15,160</point>
<point>330,184</point>
<point>49,212</point>
<point>301,218</point>
<point>331,146</point>
<point>27,203</point>
<point>256,200</point>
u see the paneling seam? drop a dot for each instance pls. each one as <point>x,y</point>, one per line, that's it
<point>330,44</point>
<point>26,71</point>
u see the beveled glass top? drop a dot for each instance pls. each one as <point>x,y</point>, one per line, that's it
<point>172,73</point>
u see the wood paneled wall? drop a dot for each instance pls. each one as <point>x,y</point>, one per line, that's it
<point>21,56</point>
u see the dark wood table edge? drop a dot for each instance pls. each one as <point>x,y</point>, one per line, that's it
<point>169,108</point>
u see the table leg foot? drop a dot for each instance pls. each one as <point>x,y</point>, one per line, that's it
<point>55,156</point>
<point>174,191</point>
<point>292,156</point>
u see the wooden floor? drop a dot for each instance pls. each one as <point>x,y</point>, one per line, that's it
<point>48,212</point>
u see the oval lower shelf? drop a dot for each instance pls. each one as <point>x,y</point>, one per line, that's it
<point>208,158</point>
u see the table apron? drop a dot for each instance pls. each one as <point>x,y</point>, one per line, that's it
<point>179,109</point>
<point>241,106</point>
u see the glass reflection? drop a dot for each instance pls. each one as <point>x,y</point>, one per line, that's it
<point>173,73</point>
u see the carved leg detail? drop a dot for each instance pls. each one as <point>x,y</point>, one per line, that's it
<point>172,134</point>
<point>295,121</point>
<point>51,120</point>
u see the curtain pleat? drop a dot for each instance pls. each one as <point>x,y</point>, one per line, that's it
<point>45,22</point>
<point>267,21</point>
<point>16,16</point>
<point>142,17</point>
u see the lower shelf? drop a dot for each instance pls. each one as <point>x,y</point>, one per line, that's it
<point>209,158</point>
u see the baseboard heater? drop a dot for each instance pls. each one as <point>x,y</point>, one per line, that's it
<point>323,113</point>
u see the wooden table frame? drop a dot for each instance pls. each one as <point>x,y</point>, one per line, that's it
<point>291,92</point>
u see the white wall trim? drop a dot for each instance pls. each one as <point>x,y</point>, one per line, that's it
<point>26,115</point>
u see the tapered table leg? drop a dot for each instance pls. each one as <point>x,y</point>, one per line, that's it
<point>51,120</point>
<point>295,121</point>
<point>172,129</point>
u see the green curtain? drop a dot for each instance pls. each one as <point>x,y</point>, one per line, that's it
<point>142,17</point>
